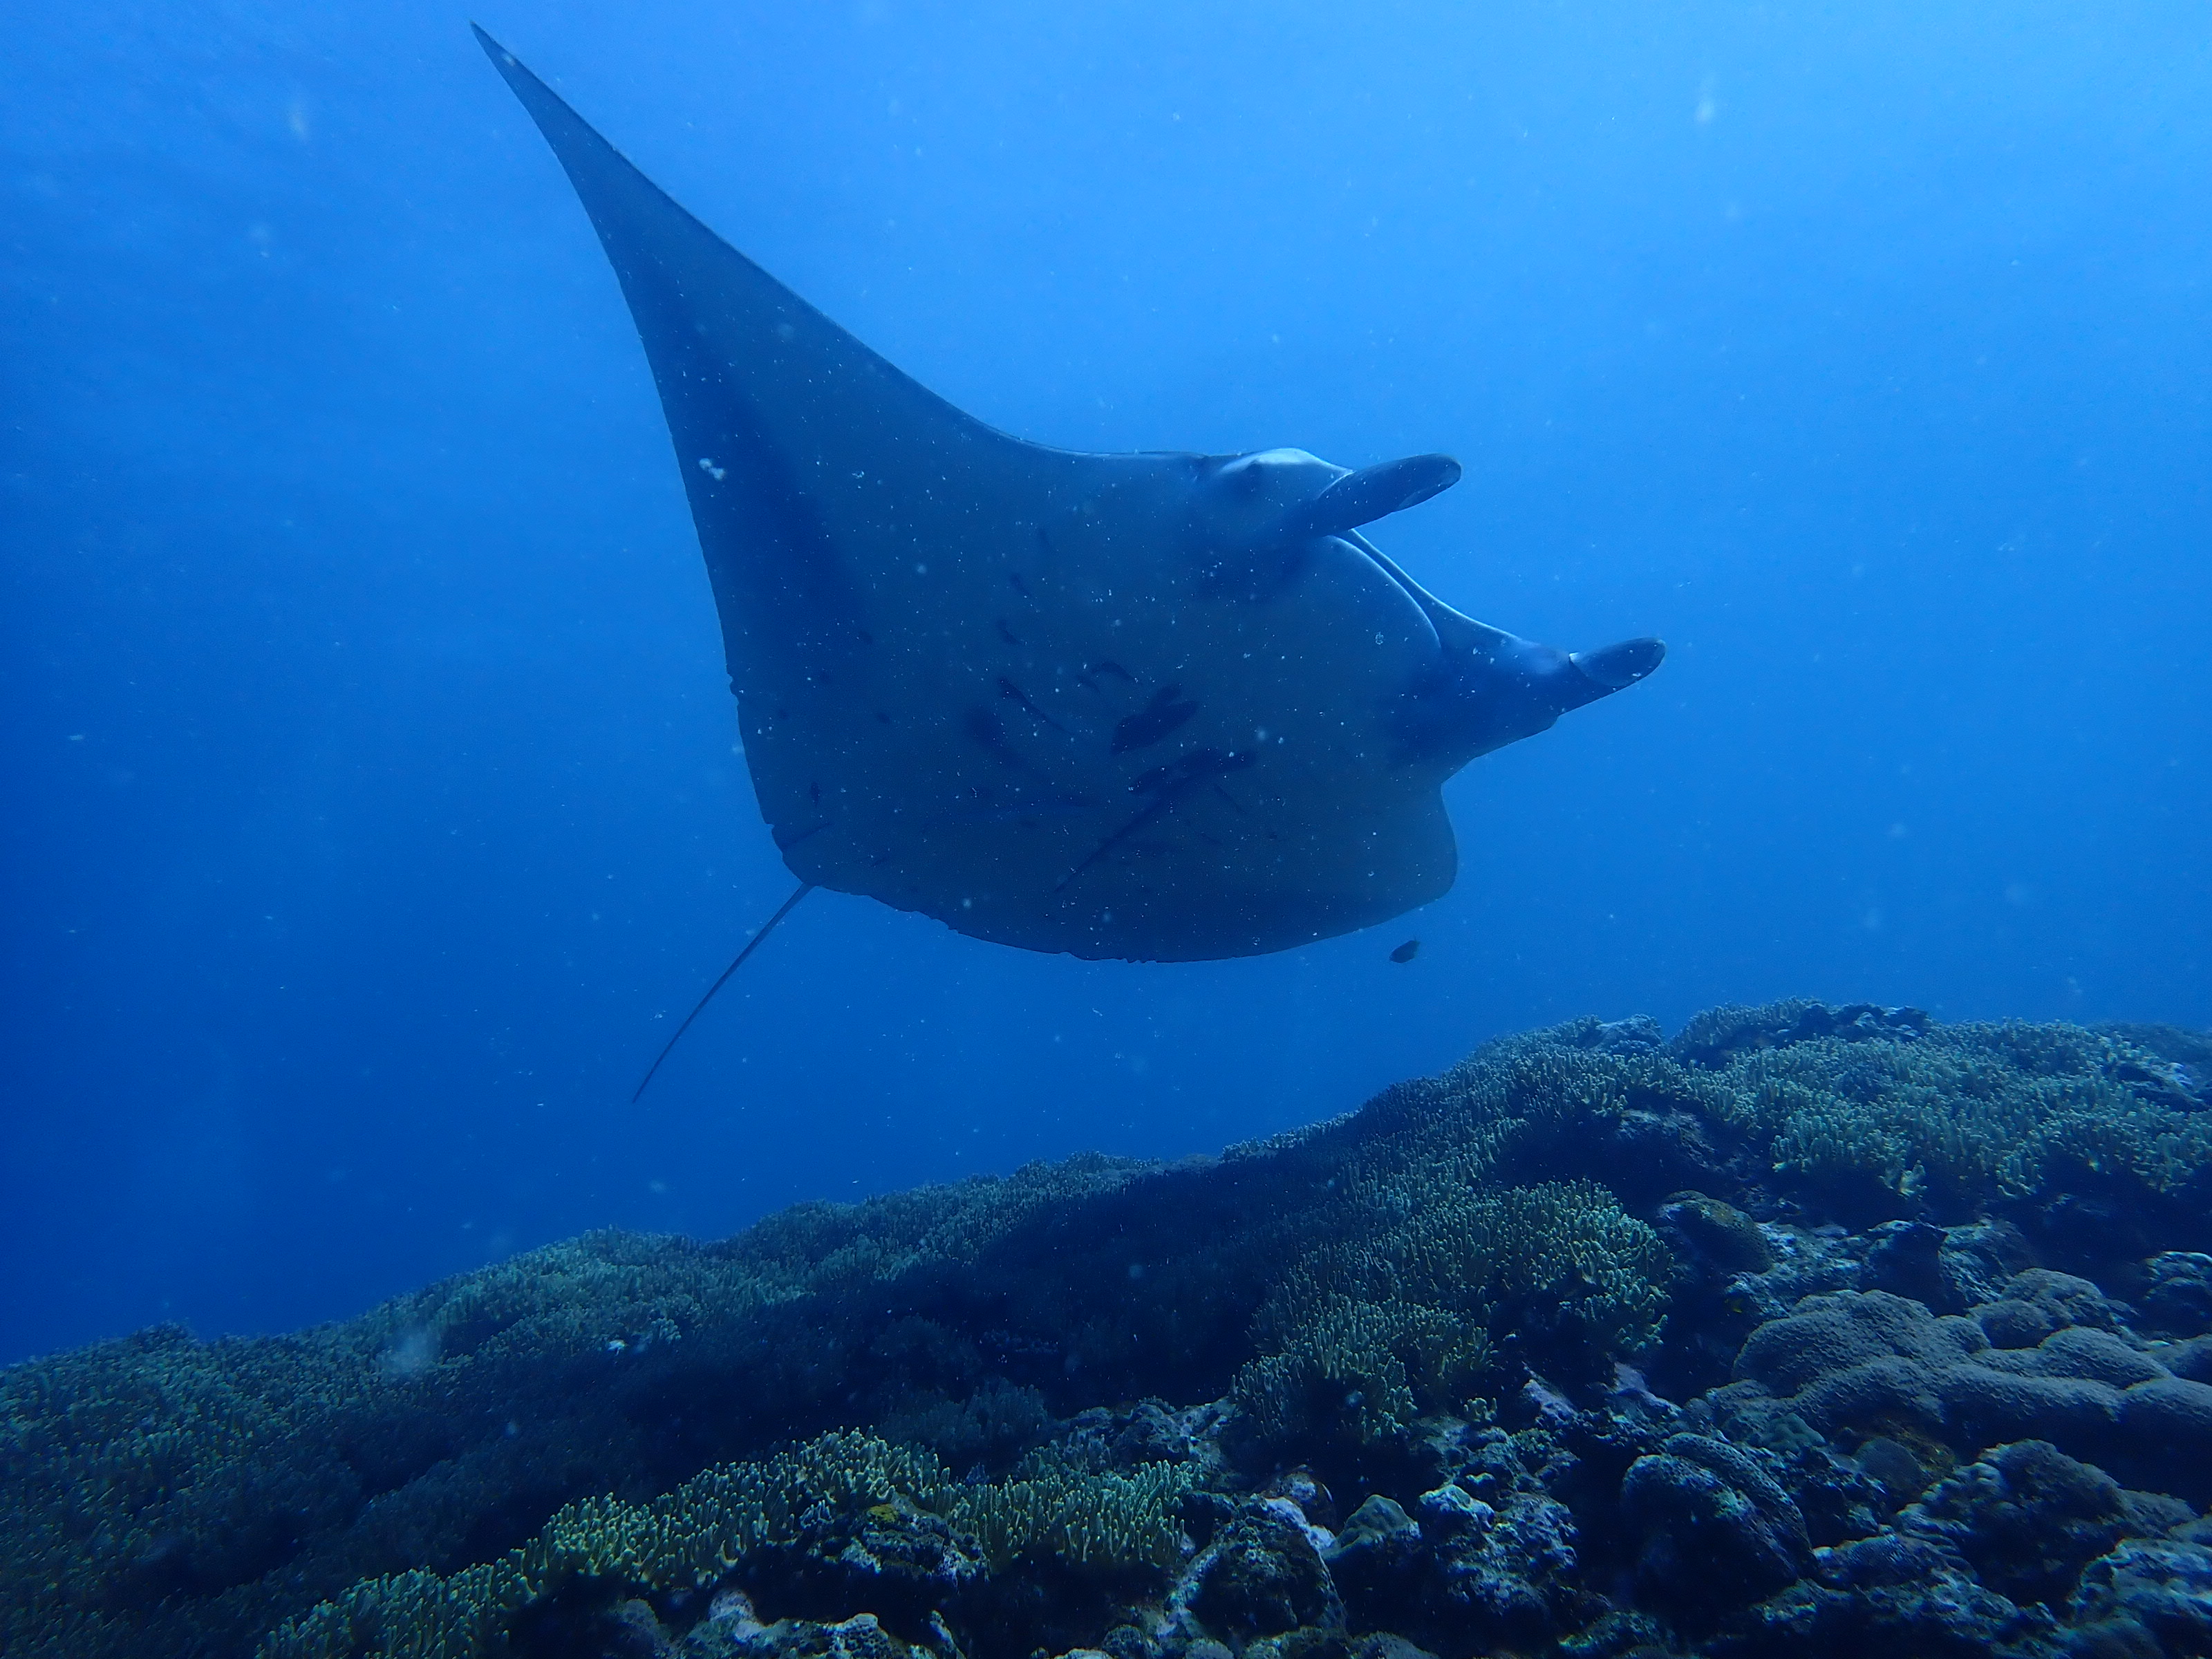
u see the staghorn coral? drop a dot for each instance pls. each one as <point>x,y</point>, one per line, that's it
<point>1714,1525</point>
<point>160,1484</point>
<point>610,1286</point>
<point>1967,1115</point>
<point>1110,1520</point>
<point>157,1467</point>
<point>688,1538</point>
<point>1405,1317</point>
<point>1567,1247</point>
<point>1336,1356</point>
<point>1880,1108</point>
<point>409,1615</point>
<point>694,1536</point>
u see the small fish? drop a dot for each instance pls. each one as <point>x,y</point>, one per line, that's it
<point>1406,952</point>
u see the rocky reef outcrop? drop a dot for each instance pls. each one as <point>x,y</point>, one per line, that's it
<point>1809,1331</point>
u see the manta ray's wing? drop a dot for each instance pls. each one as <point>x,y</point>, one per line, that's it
<point>1055,700</point>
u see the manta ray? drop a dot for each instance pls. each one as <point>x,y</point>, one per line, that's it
<point>1160,707</point>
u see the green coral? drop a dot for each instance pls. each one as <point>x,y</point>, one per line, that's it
<point>1435,1239</point>
<point>614,1287</point>
<point>1568,1244</point>
<point>1882,1105</point>
<point>1965,1114</point>
<point>685,1539</point>
<point>1326,1355</point>
<point>159,1466</point>
<point>161,1490</point>
<point>1113,1520</point>
<point>695,1535</point>
<point>1404,1314</point>
<point>409,1615</point>
<point>994,1425</point>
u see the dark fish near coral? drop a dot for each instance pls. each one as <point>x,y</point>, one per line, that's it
<point>1406,952</point>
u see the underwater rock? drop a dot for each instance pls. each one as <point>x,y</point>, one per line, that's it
<point>2040,1301</point>
<point>1505,1573</point>
<point>861,1636</point>
<point>1312,1642</point>
<point>1717,1528</point>
<point>1717,1236</point>
<point>1262,1575</point>
<point>2159,1588</point>
<point>1889,1595</point>
<point>1153,1432</point>
<point>1377,1562</point>
<point>893,1561</point>
<point>2176,1299</point>
<point>1865,1361</point>
<point>1853,1353</point>
<point>2168,1441</point>
<point>1907,1259</point>
<point>1842,1498</point>
<point>1467,1577</point>
<point>1640,1034</point>
<point>2027,1518</point>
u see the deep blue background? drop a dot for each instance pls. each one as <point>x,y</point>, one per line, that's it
<point>372,797</point>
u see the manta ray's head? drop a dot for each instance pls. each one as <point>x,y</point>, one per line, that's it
<point>1262,516</point>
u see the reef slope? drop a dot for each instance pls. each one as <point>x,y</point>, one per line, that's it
<point>1810,1331</point>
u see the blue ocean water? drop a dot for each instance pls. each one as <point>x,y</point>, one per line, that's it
<point>374,801</point>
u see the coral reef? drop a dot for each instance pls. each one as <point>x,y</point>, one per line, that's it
<point>1812,1331</point>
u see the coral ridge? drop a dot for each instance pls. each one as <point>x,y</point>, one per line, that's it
<point>1812,1330</point>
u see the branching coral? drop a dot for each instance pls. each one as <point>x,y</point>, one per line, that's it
<point>608,1286</point>
<point>695,1535</point>
<point>1113,1521</point>
<point>1568,1244</point>
<point>1966,1114</point>
<point>158,1466</point>
<point>409,1615</point>
<point>1404,1317</point>
<point>1326,1355</point>
<point>689,1537</point>
<point>163,1484</point>
<point>1856,1102</point>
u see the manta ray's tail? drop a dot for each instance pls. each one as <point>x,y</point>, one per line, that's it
<point>751,946</point>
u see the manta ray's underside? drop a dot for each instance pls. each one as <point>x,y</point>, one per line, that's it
<point>1162,707</point>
